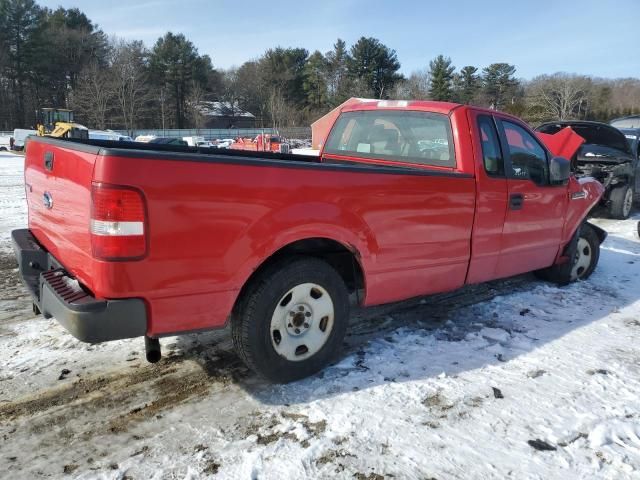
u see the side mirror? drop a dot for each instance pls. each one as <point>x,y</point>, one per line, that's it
<point>559,171</point>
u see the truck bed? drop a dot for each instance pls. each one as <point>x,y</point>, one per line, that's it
<point>130,147</point>
<point>186,153</point>
<point>215,216</point>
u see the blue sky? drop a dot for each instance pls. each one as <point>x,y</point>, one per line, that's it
<point>599,38</point>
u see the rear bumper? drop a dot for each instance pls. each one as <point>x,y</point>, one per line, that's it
<point>59,295</point>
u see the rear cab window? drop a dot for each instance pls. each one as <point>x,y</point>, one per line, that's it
<point>421,138</point>
<point>491,152</point>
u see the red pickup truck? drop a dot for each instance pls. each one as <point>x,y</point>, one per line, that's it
<point>406,199</point>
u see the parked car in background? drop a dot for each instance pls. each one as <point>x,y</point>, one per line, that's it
<point>630,126</point>
<point>109,135</point>
<point>5,143</point>
<point>225,143</point>
<point>193,141</point>
<point>607,156</point>
<point>144,138</point>
<point>168,141</point>
<point>20,136</point>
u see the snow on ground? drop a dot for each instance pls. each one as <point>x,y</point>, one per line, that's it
<point>13,208</point>
<point>512,379</point>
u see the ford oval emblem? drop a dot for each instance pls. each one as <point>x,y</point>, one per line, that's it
<point>47,200</point>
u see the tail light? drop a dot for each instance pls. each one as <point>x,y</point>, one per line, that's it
<point>118,222</point>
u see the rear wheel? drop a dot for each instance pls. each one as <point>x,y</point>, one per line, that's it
<point>291,319</point>
<point>584,259</point>
<point>621,202</point>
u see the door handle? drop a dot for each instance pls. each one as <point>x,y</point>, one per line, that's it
<point>515,201</point>
<point>48,160</point>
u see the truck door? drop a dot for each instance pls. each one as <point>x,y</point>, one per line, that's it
<point>535,211</point>
<point>491,201</point>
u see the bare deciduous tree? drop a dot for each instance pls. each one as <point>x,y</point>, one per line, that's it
<point>560,96</point>
<point>93,95</point>
<point>625,94</point>
<point>129,80</point>
<point>195,101</point>
<point>282,113</point>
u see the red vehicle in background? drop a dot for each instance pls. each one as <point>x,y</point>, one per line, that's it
<point>262,143</point>
<point>406,199</point>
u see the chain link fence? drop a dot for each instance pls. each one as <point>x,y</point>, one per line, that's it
<point>220,133</point>
<point>298,133</point>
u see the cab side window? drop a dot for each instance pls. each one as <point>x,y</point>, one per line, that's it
<point>491,153</point>
<point>528,158</point>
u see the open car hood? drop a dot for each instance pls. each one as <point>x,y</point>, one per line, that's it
<point>565,143</point>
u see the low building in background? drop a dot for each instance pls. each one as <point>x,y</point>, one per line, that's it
<point>225,115</point>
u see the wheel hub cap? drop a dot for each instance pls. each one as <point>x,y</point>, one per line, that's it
<point>628,202</point>
<point>300,318</point>
<point>582,259</point>
<point>302,322</point>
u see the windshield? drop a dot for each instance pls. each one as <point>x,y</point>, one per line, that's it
<point>631,137</point>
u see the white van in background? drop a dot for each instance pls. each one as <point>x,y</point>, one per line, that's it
<point>5,143</point>
<point>19,137</point>
<point>193,141</point>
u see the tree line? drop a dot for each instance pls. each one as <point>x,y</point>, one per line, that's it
<point>60,58</point>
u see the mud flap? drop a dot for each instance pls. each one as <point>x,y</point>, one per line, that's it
<point>602,234</point>
<point>570,249</point>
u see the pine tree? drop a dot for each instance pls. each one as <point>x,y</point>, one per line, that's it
<point>283,71</point>
<point>175,63</point>
<point>467,84</point>
<point>19,24</point>
<point>499,84</point>
<point>373,67</point>
<point>441,74</point>
<point>315,81</point>
<point>337,74</point>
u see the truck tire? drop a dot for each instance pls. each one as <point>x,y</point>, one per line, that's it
<point>585,259</point>
<point>291,319</point>
<point>621,202</point>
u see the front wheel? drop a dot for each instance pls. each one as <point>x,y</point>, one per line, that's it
<point>621,202</point>
<point>583,262</point>
<point>292,319</point>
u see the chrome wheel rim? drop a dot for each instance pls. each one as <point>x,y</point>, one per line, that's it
<point>302,322</point>
<point>582,259</point>
<point>628,202</point>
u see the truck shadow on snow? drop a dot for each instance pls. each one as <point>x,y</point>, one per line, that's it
<point>444,335</point>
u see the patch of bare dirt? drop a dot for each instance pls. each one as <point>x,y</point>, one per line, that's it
<point>8,269</point>
<point>370,476</point>
<point>141,393</point>
<point>332,455</point>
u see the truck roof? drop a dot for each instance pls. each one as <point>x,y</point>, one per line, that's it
<point>420,105</point>
<point>417,105</point>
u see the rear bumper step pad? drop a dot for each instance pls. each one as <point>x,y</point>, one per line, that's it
<point>59,295</point>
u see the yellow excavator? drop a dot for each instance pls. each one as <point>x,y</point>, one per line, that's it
<point>58,122</point>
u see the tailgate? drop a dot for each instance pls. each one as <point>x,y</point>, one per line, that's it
<point>58,177</point>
